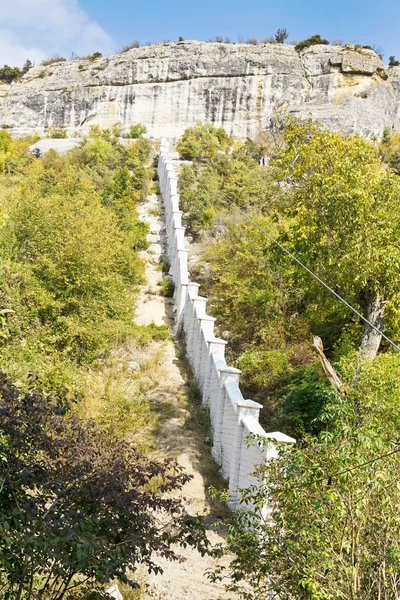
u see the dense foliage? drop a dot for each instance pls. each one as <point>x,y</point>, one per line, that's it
<point>78,508</point>
<point>68,257</point>
<point>331,529</point>
<point>203,141</point>
<point>80,505</point>
<point>329,200</point>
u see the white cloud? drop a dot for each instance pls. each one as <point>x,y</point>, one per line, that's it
<point>38,28</point>
<point>14,53</point>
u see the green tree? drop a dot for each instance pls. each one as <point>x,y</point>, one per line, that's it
<point>203,141</point>
<point>341,220</point>
<point>136,131</point>
<point>203,187</point>
<point>78,509</point>
<point>281,35</point>
<point>28,64</point>
<point>68,260</point>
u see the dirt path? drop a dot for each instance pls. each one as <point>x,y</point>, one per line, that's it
<point>179,432</point>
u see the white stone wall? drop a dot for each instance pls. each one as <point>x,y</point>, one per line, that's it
<point>233,418</point>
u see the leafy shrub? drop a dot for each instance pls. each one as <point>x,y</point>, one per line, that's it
<point>203,141</point>
<point>389,149</point>
<point>263,369</point>
<point>28,64</point>
<point>311,41</point>
<point>6,142</point>
<point>90,57</point>
<point>394,161</point>
<point>94,56</point>
<point>59,134</point>
<point>69,261</point>
<point>203,190</point>
<point>9,74</point>
<point>67,492</point>
<point>301,400</point>
<point>393,62</point>
<point>136,131</point>
<point>167,287</point>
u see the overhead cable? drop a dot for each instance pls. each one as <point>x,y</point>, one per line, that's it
<point>332,291</point>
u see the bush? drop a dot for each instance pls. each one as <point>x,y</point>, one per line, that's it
<point>90,57</point>
<point>389,149</point>
<point>94,56</point>
<point>79,507</point>
<point>9,74</point>
<point>203,141</point>
<point>58,134</point>
<point>68,253</point>
<point>28,64</point>
<point>301,400</point>
<point>393,62</point>
<point>314,40</point>
<point>239,178</point>
<point>136,131</point>
<point>167,287</point>
<point>263,370</point>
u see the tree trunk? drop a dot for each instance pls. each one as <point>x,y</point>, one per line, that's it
<point>375,314</point>
<point>330,372</point>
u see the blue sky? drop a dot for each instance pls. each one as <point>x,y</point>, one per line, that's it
<point>42,28</point>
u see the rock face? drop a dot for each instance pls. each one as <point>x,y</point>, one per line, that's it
<point>240,87</point>
<point>61,146</point>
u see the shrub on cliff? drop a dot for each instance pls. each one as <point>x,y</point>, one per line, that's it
<point>281,35</point>
<point>9,74</point>
<point>58,134</point>
<point>314,40</point>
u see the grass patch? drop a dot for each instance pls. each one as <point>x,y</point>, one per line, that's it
<point>167,288</point>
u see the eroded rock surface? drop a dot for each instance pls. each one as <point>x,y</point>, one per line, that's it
<point>241,87</point>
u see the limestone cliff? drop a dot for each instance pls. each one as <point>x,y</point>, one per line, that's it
<point>238,86</point>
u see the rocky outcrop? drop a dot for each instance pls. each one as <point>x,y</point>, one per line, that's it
<point>240,87</point>
<point>394,79</point>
